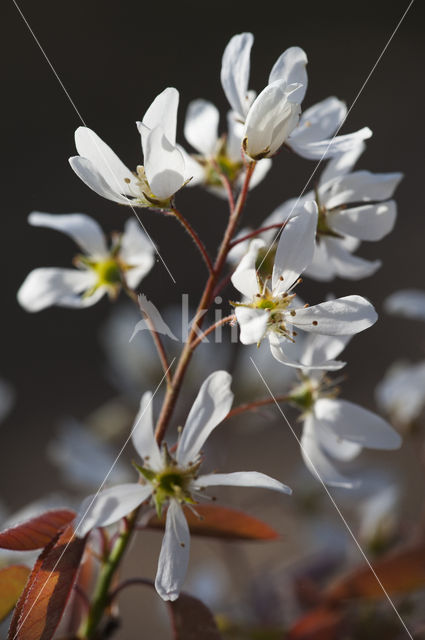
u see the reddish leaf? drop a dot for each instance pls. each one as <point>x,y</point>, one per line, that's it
<point>323,623</point>
<point>221,522</point>
<point>41,606</point>
<point>37,532</point>
<point>192,620</point>
<point>399,572</point>
<point>12,583</point>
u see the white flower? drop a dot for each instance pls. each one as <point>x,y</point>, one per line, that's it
<point>215,153</point>
<point>407,303</point>
<point>164,170</point>
<point>335,431</point>
<point>314,138</point>
<point>100,270</point>
<point>271,117</point>
<point>172,479</point>
<point>275,312</point>
<point>352,207</point>
<point>401,393</point>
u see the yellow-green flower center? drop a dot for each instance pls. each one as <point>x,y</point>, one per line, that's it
<point>108,272</point>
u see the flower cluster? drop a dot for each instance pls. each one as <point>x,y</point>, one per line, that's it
<point>314,236</point>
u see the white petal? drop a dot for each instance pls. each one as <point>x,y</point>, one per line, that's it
<point>323,149</point>
<point>85,231</point>
<point>174,556</point>
<point>344,316</point>
<point>401,393</point>
<point>211,406</point>
<point>321,268</point>
<point>242,479</point>
<point>142,434</point>
<point>319,121</point>
<point>136,251</point>
<point>88,173</point>
<point>316,460</point>
<point>252,323</point>
<point>296,247</point>
<point>362,186</point>
<point>164,165</point>
<point>235,72</point>
<point>408,303</point>
<point>201,126</point>
<point>368,222</point>
<point>342,163</point>
<point>109,506</point>
<point>319,348</point>
<point>235,129</point>
<point>245,276</point>
<point>270,120</point>
<point>351,422</point>
<point>105,161</point>
<point>261,170</point>
<point>346,265</point>
<point>53,286</point>
<point>284,351</point>
<point>291,67</point>
<point>334,445</point>
<point>163,113</point>
<point>194,170</point>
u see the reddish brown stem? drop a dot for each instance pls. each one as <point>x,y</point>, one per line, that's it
<point>144,582</point>
<point>196,239</point>
<point>212,328</point>
<point>252,234</point>
<point>252,406</point>
<point>205,302</point>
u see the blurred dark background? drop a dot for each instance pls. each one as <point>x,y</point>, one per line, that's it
<point>114,58</point>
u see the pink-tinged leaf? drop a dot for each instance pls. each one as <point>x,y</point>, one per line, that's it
<point>323,623</point>
<point>192,620</point>
<point>37,532</point>
<point>12,583</point>
<point>400,572</point>
<point>43,601</point>
<point>220,522</point>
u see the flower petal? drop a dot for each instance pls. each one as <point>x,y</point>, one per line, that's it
<point>88,173</point>
<point>296,247</point>
<point>351,422</point>
<point>252,323</point>
<point>319,121</point>
<point>235,72</point>
<point>201,126</point>
<point>163,113</point>
<point>174,557</point>
<point>342,163</point>
<point>85,231</point>
<point>284,351</point>
<point>211,406</point>
<point>164,165</point>
<point>291,67</point>
<point>241,479</point>
<point>361,186</point>
<point>322,149</point>
<point>109,506</point>
<point>343,316</point>
<point>136,251</point>
<point>317,462</point>
<point>368,222</point>
<point>319,348</point>
<point>321,267</point>
<point>104,160</point>
<point>244,279</point>
<point>53,286</point>
<point>346,265</point>
<point>334,445</point>
<point>408,303</point>
<point>142,434</point>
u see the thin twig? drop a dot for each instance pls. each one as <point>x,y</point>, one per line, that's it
<point>212,328</point>
<point>144,582</point>
<point>196,239</point>
<point>252,234</point>
<point>251,406</point>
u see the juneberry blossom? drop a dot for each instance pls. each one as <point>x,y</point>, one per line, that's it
<point>270,307</point>
<point>406,303</point>
<point>401,393</point>
<point>217,154</point>
<point>99,269</point>
<point>172,480</point>
<point>334,431</point>
<point>163,172</point>
<point>352,206</point>
<point>273,117</point>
